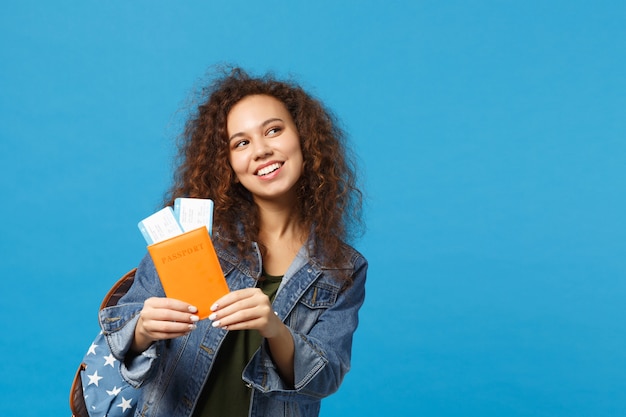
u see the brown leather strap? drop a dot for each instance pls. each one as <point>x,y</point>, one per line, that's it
<point>119,289</point>
<point>77,401</point>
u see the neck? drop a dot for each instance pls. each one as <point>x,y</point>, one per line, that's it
<point>278,220</point>
<point>282,234</point>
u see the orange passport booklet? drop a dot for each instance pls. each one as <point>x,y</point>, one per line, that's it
<point>189,269</point>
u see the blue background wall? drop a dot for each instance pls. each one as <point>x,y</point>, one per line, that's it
<point>491,135</point>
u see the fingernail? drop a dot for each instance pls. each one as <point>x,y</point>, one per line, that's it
<point>216,324</point>
<point>192,327</point>
<point>194,318</point>
<point>212,316</point>
<point>214,307</point>
<point>192,309</point>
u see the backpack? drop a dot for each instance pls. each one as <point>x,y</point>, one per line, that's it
<point>98,389</point>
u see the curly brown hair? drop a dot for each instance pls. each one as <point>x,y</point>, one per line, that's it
<point>329,201</point>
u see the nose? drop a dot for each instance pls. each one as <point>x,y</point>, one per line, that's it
<point>261,148</point>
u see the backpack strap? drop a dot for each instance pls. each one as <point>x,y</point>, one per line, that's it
<point>118,290</point>
<point>77,401</point>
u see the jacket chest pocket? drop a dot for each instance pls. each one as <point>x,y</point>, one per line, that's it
<point>320,295</point>
<point>311,305</point>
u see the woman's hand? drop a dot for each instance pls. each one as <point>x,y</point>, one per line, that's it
<point>247,309</point>
<point>251,309</point>
<point>163,318</point>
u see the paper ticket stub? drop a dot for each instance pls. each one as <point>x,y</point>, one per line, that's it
<point>193,213</point>
<point>160,226</point>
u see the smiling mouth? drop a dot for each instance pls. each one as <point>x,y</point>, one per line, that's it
<point>268,169</point>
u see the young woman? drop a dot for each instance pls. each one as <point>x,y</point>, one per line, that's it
<point>273,160</point>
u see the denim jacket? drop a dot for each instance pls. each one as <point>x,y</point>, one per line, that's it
<point>321,315</point>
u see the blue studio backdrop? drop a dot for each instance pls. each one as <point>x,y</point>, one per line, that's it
<point>491,139</point>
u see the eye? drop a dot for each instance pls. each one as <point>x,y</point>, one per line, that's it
<point>274,131</point>
<point>240,143</point>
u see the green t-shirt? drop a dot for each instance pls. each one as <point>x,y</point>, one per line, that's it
<point>225,394</point>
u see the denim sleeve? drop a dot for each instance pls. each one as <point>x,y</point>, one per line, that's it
<point>322,356</point>
<point>118,324</point>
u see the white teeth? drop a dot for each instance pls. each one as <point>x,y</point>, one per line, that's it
<point>268,169</point>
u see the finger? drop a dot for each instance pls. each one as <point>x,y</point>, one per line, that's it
<point>167,316</point>
<point>253,316</point>
<point>167,327</point>
<point>234,297</point>
<point>244,325</point>
<point>243,309</point>
<point>169,304</point>
<point>160,329</point>
<point>268,325</point>
<point>167,335</point>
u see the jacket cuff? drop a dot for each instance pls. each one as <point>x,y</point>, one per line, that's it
<point>309,361</point>
<point>118,327</point>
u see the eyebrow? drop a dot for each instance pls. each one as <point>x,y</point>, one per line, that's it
<point>265,123</point>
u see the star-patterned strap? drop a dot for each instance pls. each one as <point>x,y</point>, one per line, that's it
<point>98,389</point>
<point>105,392</point>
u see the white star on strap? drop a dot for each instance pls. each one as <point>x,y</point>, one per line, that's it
<point>92,349</point>
<point>114,391</point>
<point>109,360</point>
<point>94,379</point>
<point>125,404</point>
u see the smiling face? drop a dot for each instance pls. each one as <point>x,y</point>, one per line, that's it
<point>264,148</point>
